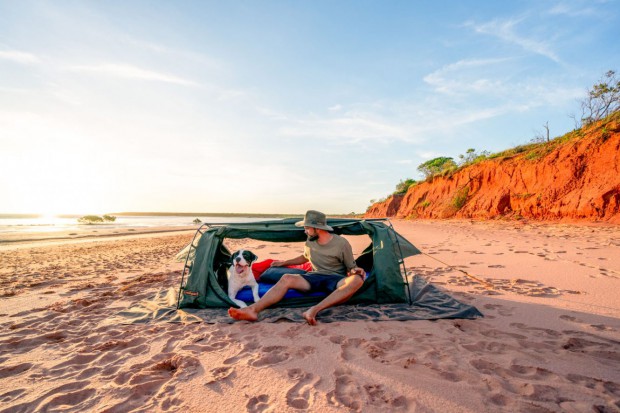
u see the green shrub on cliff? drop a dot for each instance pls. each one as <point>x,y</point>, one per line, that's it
<point>437,166</point>
<point>404,185</point>
<point>472,157</point>
<point>460,198</point>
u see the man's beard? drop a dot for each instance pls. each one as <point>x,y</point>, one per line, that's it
<point>313,237</point>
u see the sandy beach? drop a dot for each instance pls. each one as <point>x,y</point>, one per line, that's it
<point>549,341</point>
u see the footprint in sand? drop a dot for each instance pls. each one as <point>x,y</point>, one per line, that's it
<point>270,355</point>
<point>608,388</point>
<point>347,392</point>
<point>602,327</point>
<point>529,372</point>
<point>299,396</point>
<point>258,404</point>
<point>501,310</point>
<point>207,343</point>
<point>9,371</point>
<point>538,331</point>
<point>79,399</point>
<point>601,348</point>
<point>292,332</point>
<point>304,351</point>
<point>219,373</point>
<point>379,397</point>
<point>598,327</point>
<point>248,349</point>
<point>540,393</point>
<point>12,395</point>
<point>571,318</point>
<point>74,394</point>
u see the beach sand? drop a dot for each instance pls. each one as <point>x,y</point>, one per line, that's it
<point>549,341</point>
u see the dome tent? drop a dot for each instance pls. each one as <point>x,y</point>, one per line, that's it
<point>208,259</point>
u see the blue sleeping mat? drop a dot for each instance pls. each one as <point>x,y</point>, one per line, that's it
<point>245,294</point>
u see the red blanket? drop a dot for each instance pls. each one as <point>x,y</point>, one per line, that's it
<point>260,267</point>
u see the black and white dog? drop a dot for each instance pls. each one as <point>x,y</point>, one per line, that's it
<point>240,274</point>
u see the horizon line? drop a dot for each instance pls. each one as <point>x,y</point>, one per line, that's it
<point>178,214</point>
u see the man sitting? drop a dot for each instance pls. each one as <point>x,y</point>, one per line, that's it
<point>333,271</point>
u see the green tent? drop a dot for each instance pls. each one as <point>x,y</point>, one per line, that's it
<point>206,263</point>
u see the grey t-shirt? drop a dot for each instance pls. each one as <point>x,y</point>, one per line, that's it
<point>335,257</point>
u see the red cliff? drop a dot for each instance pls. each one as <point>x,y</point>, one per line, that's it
<point>575,177</point>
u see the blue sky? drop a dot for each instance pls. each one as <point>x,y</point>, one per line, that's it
<point>276,106</point>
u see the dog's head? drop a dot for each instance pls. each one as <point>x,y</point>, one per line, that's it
<point>242,260</point>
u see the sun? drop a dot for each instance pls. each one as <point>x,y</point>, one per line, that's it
<point>60,191</point>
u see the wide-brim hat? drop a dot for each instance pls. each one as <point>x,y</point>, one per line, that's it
<point>314,219</point>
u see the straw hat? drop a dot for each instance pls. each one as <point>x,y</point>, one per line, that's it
<point>314,219</point>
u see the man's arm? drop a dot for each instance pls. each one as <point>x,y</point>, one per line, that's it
<point>293,261</point>
<point>349,262</point>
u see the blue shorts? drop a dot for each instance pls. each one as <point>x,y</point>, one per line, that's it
<point>322,282</point>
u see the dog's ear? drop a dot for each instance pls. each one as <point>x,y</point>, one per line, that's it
<point>254,256</point>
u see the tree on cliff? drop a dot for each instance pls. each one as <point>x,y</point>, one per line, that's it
<point>471,157</point>
<point>436,166</point>
<point>602,100</point>
<point>403,186</point>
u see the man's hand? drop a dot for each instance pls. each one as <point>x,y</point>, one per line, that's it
<point>358,271</point>
<point>277,264</point>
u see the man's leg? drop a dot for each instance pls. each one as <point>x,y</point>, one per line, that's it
<point>274,295</point>
<point>346,288</point>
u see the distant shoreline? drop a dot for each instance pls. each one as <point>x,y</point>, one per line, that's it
<point>176,214</point>
<point>204,214</point>
<point>221,214</point>
<point>68,236</point>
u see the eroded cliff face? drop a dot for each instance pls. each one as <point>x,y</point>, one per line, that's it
<point>578,179</point>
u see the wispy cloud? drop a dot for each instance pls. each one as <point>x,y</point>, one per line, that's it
<point>132,72</point>
<point>399,121</point>
<point>572,10</point>
<point>19,57</point>
<point>448,78</point>
<point>201,58</point>
<point>346,129</point>
<point>506,30</point>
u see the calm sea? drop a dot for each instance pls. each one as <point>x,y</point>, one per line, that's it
<point>20,224</point>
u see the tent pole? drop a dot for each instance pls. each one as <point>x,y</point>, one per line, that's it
<point>185,266</point>
<point>401,261</point>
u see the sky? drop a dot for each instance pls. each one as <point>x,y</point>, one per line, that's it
<point>276,106</point>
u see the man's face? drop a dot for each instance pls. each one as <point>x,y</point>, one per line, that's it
<point>312,233</point>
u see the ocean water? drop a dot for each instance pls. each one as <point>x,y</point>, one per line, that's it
<point>22,224</point>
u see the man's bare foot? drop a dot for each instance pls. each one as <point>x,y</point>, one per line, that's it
<point>310,316</point>
<point>246,313</point>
